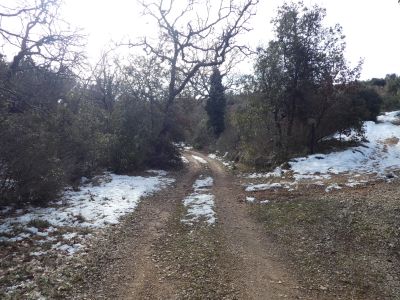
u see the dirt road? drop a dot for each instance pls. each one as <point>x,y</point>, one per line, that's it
<point>152,255</point>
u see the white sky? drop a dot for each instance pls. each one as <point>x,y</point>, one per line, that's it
<point>371,27</point>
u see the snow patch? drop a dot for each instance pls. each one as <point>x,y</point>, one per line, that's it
<point>377,158</point>
<point>199,207</point>
<point>223,160</point>
<point>380,154</point>
<point>263,187</point>
<point>203,183</point>
<point>278,172</point>
<point>93,206</point>
<point>69,236</point>
<point>199,159</point>
<point>332,187</point>
<point>250,199</point>
<point>69,249</point>
<point>391,117</point>
<point>200,204</point>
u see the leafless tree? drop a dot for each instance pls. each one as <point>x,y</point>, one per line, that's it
<point>34,35</point>
<point>104,81</point>
<point>200,83</point>
<point>34,30</point>
<point>197,35</point>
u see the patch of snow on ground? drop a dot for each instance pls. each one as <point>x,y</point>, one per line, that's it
<point>38,253</point>
<point>199,207</point>
<point>223,159</point>
<point>380,154</point>
<point>203,183</point>
<point>94,206</point>
<point>353,183</point>
<point>199,159</point>
<point>333,186</point>
<point>263,187</point>
<point>392,117</point>
<point>200,204</point>
<point>184,160</point>
<point>376,158</point>
<point>250,199</point>
<point>298,177</point>
<point>278,172</point>
<point>69,236</point>
<point>68,249</point>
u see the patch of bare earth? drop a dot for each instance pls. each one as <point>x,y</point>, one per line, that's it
<point>341,245</point>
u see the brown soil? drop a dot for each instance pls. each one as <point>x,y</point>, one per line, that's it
<point>152,255</point>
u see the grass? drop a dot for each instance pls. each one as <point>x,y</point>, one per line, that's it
<point>39,223</point>
<point>344,247</point>
<point>329,146</point>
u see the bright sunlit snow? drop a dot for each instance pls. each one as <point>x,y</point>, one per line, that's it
<point>250,199</point>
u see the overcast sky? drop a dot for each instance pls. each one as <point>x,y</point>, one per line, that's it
<point>371,27</point>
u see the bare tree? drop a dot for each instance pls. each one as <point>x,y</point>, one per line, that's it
<point>104,81</point>
<point>34,30</point>
<point>197,36</point>
<point>35,36</point>
<point>200,83</point>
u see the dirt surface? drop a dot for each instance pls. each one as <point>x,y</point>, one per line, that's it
<point>258,271</point>
<point>344,244</point>
<point>152,255</point>
<point>301,244</point>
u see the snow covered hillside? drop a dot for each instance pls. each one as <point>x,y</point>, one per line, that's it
<point>376,158</point>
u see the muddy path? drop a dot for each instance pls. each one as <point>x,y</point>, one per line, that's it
<point>151,255</point>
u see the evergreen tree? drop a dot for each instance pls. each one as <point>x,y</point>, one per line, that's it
<point>216,104</point>
<point>301,77</point>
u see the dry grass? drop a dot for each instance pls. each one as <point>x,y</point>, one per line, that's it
<point>345,245</point>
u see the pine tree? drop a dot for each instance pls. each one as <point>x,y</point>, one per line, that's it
<point>216,104</point>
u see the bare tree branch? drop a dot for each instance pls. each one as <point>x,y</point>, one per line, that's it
<point>189,42</point>
<point>42,36</point>
<point>37,38</point>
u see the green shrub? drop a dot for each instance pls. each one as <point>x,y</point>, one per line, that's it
<point>31,171</point>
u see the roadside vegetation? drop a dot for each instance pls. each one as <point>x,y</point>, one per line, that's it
<point>57,126</point>
<point>77,140</point>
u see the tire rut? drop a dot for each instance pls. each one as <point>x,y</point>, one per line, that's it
<point>122,265</point>
<point>258,274</point>
<point>133,260</point>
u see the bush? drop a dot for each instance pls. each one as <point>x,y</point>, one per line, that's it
<point>31,171</point>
